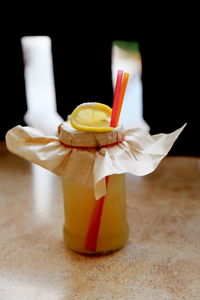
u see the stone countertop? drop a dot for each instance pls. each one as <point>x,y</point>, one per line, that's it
<point>160,261</point>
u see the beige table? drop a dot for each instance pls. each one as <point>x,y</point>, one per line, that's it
<point>162,257</point>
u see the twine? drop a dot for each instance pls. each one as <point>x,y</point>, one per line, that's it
<point>94,147</point>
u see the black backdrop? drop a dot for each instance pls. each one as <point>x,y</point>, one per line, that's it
<point>169,59</point>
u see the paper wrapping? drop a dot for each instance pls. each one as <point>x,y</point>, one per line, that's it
<point>139,153</point>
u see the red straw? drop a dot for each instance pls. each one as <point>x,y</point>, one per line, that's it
<point>116,98</point>
<point>94,226</point>
<point>93,230</point>
<point>121,96</point>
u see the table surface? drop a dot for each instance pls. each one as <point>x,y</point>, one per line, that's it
<point>160,261</point>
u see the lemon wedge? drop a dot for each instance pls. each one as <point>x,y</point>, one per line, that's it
<point>91,116</point>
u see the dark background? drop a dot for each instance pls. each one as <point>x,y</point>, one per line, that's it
<point>169,57</point>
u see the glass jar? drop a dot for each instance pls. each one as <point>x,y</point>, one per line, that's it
<point>79,208</point>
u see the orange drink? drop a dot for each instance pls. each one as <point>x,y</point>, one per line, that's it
<point>79,203</point>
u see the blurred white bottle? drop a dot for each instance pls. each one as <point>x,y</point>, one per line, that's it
<point>39,83</point>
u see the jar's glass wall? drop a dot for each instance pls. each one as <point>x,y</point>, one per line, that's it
<point>79,203</point>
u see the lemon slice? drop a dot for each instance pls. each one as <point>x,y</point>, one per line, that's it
<point>91,116</point>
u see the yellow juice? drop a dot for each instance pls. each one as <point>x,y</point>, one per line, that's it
<point>79,203</point>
